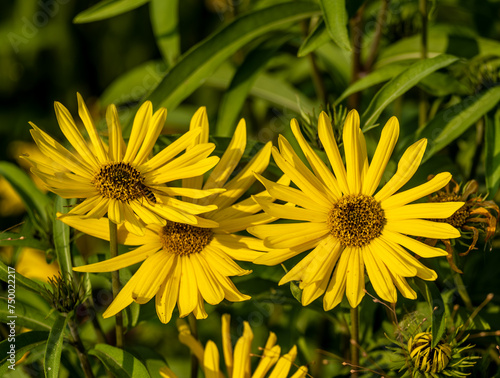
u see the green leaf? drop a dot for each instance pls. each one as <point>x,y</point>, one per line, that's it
<point>203,59</point>
<point>373,78</point>
<point>400,84</point>
<point>121,363</point>
<point>107,9</point>
<point>35,202</point>
<point>317,38</point>
<point>165,19</point>
<point>452,122</point>
<point>54,347</point>
<point>296,292</point>
<point>25,315</point>
<point>150,358</point>
<point>492,158</point>
<point>335,15</point>
<point>5,275</point>
<point>134,84</point>
<point>242,82</point>
<point>19,240</point>
<point>23,343</point>
<point>433,297</point>
<point>61,234</point>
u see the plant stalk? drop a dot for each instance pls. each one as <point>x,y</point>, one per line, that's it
<point>80,350</point>
<point>356,66</point>
<point>194,331</point>
<point>354,341</point>
<point>115,281</point>
<point>423,106</point>
<point>382,17</point>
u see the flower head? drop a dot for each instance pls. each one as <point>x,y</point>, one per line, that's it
<point>346,225</point>
<point>474,216</point>
<point>187,264</point>
<point>121,180</point>
<point>238,363</point>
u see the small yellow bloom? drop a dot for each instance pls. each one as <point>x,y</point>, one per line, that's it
<point>187,264</point>
<point>121,180</point>
<point>238,362</point>
<point>346,225</point>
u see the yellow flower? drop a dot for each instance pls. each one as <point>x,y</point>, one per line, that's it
<point>185,264</point>
<point>33,264</point>
<point>122,180</point>
<point>345,223</point>
<point>238,363</point>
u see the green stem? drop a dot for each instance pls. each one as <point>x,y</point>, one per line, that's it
<point>80,350</point>
<point>354,341</point>
<point>356,66</point>
<point>459,283</point>
<point>194,331</point>
<point>423,106</point>
<point>382,17</point>
<point>115,280</point>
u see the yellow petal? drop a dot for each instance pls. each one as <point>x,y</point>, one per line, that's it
<point>140,127</point>
<point>436,210</point>
<point>413,245</point>
<point>355,278</point>
<point>226,343</point>
<point>127,259</point>
<point>211,360</point>
<point>116,144</point>
<point>153,131</point>
<point>240,224</point>
<point>379,275</point>
<point>284,364</point>
<point>386,145</point>
<point>165,372</point>
<point>152,274</point>
<point>315,288</point>
<point>287,152</point>
<point>423,228</point>
<point>336,287</point>
<point>168,293</point>
<point>403,286</point>
<point>60,155</point>
<point>188,291</point>
<point>187,339</point>
<point>287,194</point>
<point>244,179</point>
<point>313,192</point>
<point>290,212</point>
<point>84,113</point>
<point>229,159</point>
<point>181,172</point>
<point>289,235</point>
<point>407,166</point>
<point>242,353</point>
<point>207,283</point>
<point>397,262</point>
<point>169,152</point>
<point>327,138</point>
<point>71,132</point>
<point>122,300</point>
<point>271,355</point>
<point>353,156</point>
<point>320,169</point>
<point>221,262</point>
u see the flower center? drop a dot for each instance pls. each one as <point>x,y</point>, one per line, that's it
<point>121,181</point>
<point>460,216</point>
<point>429,359</point>
<point>355,220</point>
<point>184,239</point>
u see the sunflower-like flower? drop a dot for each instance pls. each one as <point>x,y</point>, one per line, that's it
<point>345,223</point>
<point>238,364</point>
<point>187,264</point>
<point>476,214</point>
<point>122,180</point>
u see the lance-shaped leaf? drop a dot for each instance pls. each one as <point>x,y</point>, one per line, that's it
<point>400,84</point>
<point>492,158</point>
<point>165,20</point>
<point>24,343</point>
<point>335,15</point>
<point>452,122</point>
<point>54,347</point>
<point>317,38</point>
<point>106,9</point>
<point>119,362</point>
<point>203,59</point>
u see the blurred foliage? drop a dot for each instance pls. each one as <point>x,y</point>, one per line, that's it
<point>267,61</point>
